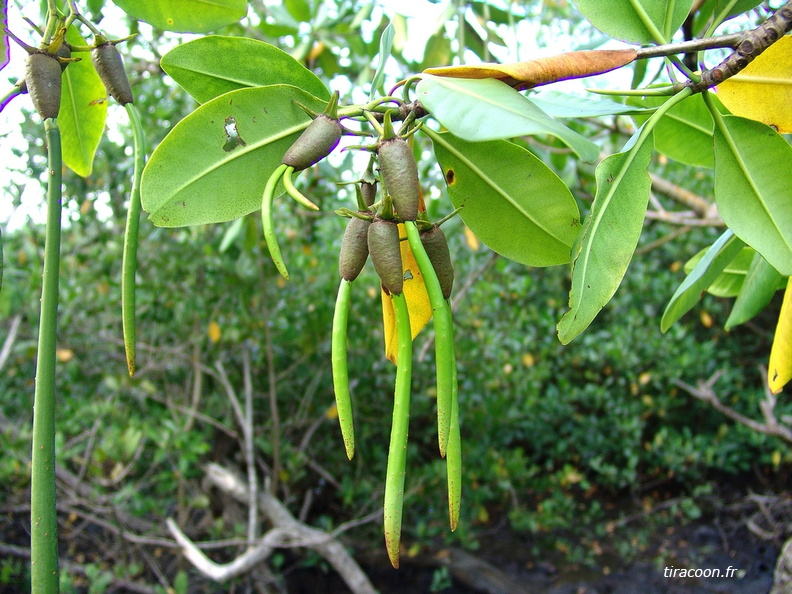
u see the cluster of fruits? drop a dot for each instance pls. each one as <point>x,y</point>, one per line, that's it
<point>375,230</point>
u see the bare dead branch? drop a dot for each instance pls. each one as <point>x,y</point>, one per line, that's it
<point>287,531</point>
<point>69,567</point>
<point>700,205</point>
<point>771,426</point>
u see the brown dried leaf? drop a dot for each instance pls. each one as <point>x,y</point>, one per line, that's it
<point>542,71</point>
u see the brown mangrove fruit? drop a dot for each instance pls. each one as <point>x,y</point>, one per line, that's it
<point>110,68</point>
<point>384,248</point>
<point>318,140</point>
<point>400,176</point>
<point>436,246</point>
<point>354,249</point>
<point>43,80</point>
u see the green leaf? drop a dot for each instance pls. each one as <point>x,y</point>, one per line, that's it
<point>511,200</point>
<point>636,21</point>
<point>729,282</point>
<point>213,65</point>
<point>561,105</point>
<point>610,234</point>
<point>385,47</point>
<point>214,164</point>
<point>684,133</point>
<point>83,110</point>
<point>761,283</point>
<point>701,277</point>
<point>752,191</point>
<point>488,109</point>
<point>185,16</point>
<point>437,50</point>
<point>712,8</point>
<point>299,9</point>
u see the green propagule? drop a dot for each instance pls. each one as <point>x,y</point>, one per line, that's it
<point>43,82</point>
<point>374,230</point>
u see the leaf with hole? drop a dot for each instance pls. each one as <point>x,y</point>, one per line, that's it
<point>210,66</point>
<point>185,16</point>
<point>214,164</point>
<point>415,295</point>
<point>523,210</point>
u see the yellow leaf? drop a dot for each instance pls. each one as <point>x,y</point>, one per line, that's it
<point>471,240</point>
<point>214,332</point>
<point>331,412</point>
<point>416,296</point>
<point>532,73</point>
<point>780,371</point>
<point>763,90</point>
<point>64,355</point>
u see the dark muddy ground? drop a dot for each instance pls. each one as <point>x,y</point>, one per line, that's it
<point>505,565</point>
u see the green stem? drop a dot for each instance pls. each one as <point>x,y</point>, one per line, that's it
<point>43,515</point>
<point>454,450</point>
<point>444,345</point>
<point>656,34</point>
<point>294,192</point>
<point>397,452</point>
<point>340,371</point>
<point>129,259</point>
<point>266,221</point>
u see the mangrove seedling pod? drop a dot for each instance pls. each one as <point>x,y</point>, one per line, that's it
<point>436,246</point>
<point>385,250</point>
<point>354,249</point>
<point>316,142</point>
<point>63,52</point>
<point>110,68</point>
<point>43,80</point>
<point>400,175</point>
<point>369,192</point>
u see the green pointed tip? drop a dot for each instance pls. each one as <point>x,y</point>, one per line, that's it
<point>392,547</point>
<point>386,210</point>
<point>369,176</point>
<point>311,113</point>
<point>361,202</point>
<point>387,127</point>
<point>331,111</point>
<point>100,39</point>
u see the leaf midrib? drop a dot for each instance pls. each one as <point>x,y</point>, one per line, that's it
<point>438,138</point>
